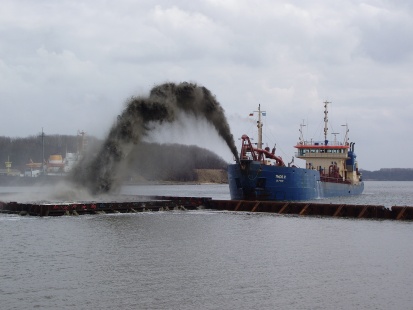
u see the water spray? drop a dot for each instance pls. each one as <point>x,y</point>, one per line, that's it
<point>165,103</point>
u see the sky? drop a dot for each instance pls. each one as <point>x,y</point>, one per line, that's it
<point>71,65</point>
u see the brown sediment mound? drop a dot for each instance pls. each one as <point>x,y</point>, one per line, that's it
<point>201,176</point>
<point>211,176</point>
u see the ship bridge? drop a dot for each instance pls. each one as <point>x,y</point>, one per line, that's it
<point>334,160</point>
<point>320,149</point>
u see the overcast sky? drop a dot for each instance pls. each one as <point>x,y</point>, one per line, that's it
<point>70,65</point>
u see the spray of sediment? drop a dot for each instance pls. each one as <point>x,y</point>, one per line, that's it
<point>165,103</point>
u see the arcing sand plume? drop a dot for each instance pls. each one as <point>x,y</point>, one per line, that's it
<point>165,103</point>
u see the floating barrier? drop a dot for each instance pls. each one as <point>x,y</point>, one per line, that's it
<point>318,209</point>
<point>169,203</point>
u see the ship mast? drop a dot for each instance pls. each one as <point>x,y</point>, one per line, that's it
<point>346,135</point>
<point>301,138</point>
<point>326,121</point>
<point>259,125</point>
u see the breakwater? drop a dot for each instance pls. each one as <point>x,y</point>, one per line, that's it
<point>167,203</point>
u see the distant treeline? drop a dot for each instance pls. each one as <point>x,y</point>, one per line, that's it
<point>389,174</point>
<point>147,161</point>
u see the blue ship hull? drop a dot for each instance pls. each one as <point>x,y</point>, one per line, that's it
<point>254,181</point>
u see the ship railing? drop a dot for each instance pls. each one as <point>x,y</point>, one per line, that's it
<point>321,155</point>
<point>316,143</point>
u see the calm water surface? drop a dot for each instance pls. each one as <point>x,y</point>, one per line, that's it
<point>207,259</point>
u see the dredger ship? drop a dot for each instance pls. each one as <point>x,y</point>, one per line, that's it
<point>331,169</point>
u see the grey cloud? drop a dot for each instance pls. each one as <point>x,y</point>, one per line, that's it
<point>70,58</point>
